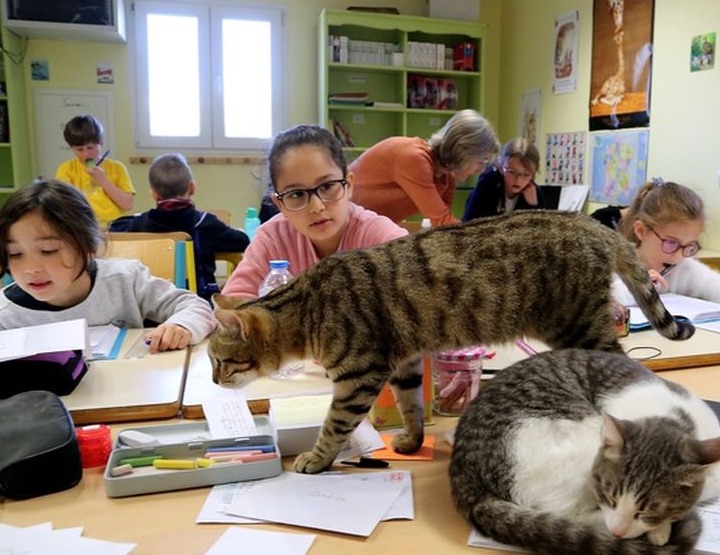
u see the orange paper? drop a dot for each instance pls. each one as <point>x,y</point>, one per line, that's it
<point>426,452</point>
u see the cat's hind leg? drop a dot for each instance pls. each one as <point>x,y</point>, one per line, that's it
<point>406,385</point>
<point>354,392</point>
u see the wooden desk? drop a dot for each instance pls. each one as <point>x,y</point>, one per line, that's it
<point>199,386</point>
<point>711,258</point>
<point>123,390</point>
<point>165,522</point>
<point>702,349</point>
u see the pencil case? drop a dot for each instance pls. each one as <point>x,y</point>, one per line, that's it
<point>40,453</point>
<point>187,443</point>
<point>59,373</point>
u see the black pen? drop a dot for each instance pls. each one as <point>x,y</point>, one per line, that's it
<point>366,462</point>
<point>666,270</point>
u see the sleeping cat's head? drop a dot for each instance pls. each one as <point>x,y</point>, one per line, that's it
<point>246,343</point>
<point>649,474</point>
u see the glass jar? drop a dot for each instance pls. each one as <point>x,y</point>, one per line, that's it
<point>456,379</point>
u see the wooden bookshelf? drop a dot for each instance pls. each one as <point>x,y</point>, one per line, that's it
<point>379,55</point>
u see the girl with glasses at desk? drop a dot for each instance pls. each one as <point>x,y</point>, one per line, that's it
<point>311,186</point>
<point>507,185</point>
<point>665,220</point>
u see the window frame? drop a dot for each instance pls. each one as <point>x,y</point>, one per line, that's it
<point>210,18</point>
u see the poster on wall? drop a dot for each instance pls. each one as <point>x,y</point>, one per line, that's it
<point>530,116</point>
<point>565,158</point>
<point>621,64</point>
<point>567,30</point>
<point>702,52</point>
<point>619,165</point>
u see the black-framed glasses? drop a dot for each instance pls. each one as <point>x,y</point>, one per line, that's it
<point>298,199</point>
<point>670,246</point>
<point>525,176</point>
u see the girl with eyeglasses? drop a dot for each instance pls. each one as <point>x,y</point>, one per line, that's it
<point>508,184</point>
<point>312,187</point>
<point>665,220</point>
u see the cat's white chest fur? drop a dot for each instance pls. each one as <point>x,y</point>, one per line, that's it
<point>554,457</point>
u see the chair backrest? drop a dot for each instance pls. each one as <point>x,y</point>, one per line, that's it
<point>168,255</point>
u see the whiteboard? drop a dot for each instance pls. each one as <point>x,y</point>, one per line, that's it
<point>53,108</point>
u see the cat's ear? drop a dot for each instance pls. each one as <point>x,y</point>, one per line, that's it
<point>709,451</point>
<point>229,318</point>
<point>612,438</point>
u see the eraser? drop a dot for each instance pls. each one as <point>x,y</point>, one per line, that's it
<point>121,470</point>
<point>134,438</point>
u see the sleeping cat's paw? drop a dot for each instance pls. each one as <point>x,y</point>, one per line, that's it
<point>310,463</point>
<point>661,534</point>
<point>405,443</point>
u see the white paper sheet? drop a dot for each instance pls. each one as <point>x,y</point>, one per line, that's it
<point>37,540</point>
<point>46,338</point>
<point>229,417</point>
<point>243,540</point>
<point>213,510</point>
<point>332,503</point>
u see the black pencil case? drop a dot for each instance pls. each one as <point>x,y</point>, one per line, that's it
<point>40,452</point>
<point>59,373</point>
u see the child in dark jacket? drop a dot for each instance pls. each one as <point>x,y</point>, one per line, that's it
<point>172,186</point>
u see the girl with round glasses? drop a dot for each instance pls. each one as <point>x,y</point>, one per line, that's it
<point>665,220</point>
<point>312,188</point>
<point>508,184</point>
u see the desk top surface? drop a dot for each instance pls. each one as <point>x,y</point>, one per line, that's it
<point>165,522</point>
<point>125,389</point>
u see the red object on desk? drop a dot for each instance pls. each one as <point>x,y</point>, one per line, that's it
<point>95,444</point>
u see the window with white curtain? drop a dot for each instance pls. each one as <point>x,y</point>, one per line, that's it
<point>208,76</point>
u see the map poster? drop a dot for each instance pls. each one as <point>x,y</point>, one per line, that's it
<point>619,165</point>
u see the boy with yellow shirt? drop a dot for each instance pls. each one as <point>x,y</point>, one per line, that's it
<point>104,182</point>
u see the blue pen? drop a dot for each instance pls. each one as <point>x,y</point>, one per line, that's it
<point>102,158</point>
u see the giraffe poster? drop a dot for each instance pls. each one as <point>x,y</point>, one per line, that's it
<point>621,64</point>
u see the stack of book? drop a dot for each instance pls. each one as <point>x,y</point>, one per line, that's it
<point>349,99</point>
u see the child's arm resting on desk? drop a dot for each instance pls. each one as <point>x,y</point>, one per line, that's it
<point>178,310</point>
<point>167,337</point>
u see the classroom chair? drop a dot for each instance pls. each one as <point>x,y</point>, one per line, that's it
<point>168,255</point>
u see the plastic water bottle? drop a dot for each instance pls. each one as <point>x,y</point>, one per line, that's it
<point>279,275</point>
<point>252,222</point>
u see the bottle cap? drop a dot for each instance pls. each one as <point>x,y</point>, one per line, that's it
<point>95,443</point>
<point>279,264</point>
<point>251,212</point>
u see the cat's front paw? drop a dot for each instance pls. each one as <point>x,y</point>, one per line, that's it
<point>310,463</point>
<point>660,535</point>
<point>406,444</point>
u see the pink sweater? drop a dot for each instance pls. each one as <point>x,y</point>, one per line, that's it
<point>277,239</point>
<point>396,178</point>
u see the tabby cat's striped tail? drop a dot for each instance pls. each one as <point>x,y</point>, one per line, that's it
<point>545,534</point>
<point>635,277</point>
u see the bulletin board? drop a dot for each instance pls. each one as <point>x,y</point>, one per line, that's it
<point>53,108</point>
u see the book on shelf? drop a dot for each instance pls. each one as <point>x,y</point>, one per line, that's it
<point>342,134</point>
<point>695,310</point>
<point>359,98</point>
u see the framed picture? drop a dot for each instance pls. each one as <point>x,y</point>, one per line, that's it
<point>621,64</point>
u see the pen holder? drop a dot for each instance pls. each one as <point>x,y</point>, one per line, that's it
<point>456,376</point>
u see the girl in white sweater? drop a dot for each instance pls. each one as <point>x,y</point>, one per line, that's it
<point>49,237</point>
<point>665,221</point>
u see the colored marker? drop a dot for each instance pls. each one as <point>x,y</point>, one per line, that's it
<point>140,461</point>
<point>527,349</point>
<point>182,464</point>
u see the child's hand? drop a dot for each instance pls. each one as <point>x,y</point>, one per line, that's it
<point>660,283</point>
<point>98,175</point>
<point>529,193</point>
<point>168,337</point>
